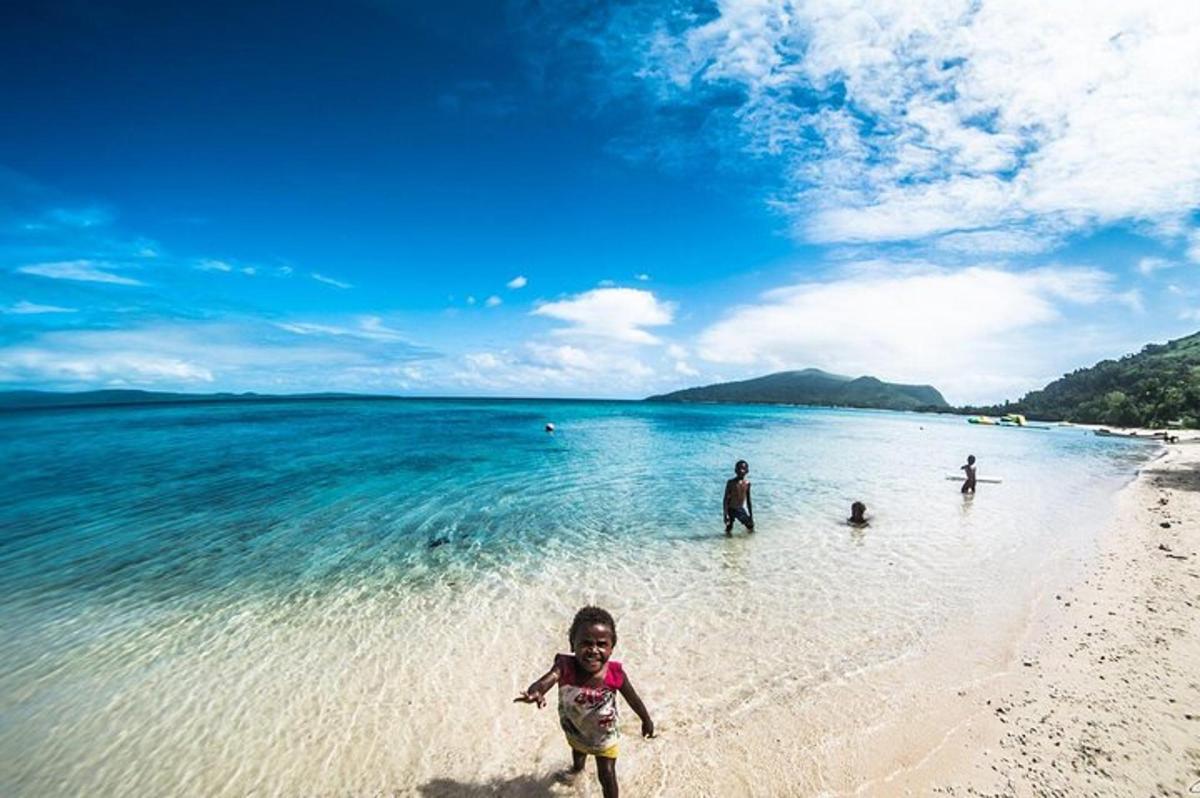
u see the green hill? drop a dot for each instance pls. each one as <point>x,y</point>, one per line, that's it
<point>1156,386</point>
<point>813,387</point>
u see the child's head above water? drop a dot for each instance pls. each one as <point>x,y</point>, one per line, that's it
<point>593,635</point>
<point>858,512</point>
<point>970,459</point>
<point>741,468</point>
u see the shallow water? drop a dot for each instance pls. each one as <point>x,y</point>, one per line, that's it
<point>342,597</point>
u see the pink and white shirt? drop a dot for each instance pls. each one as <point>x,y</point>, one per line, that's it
<point>588,715</point>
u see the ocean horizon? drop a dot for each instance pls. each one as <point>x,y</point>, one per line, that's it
<point>342,596</point>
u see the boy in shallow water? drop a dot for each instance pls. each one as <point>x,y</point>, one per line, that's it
<point>588,683</point>
<point>858,515</point>
<point>969,475</point>
<point>736,504</point>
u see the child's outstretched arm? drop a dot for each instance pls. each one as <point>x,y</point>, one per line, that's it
<point>635,703</point>
<point>536,692</point>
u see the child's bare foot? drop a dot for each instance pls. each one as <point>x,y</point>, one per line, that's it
<point>567,775</point>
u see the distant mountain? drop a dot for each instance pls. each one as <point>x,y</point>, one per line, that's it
<point>814,387</point>
<point>1157,385</point>
<point>16,400</point>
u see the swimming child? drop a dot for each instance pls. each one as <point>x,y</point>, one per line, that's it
<point>588,683</point>
<point>858,515</point>
<point>736,504</point>
<point>969,470</point>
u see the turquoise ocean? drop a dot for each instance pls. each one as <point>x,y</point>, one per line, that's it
<point>341,597</point>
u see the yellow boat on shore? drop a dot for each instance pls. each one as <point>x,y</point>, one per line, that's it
<point>1007,420</point>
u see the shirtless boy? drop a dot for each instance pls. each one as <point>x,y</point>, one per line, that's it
<point>736,504</point>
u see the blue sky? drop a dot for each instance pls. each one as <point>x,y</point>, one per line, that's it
<point>586,200</point>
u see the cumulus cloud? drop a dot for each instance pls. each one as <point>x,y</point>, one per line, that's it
<point>895,121</point>
<point>81,270</point>
<point>320,278</point>
<point>969,332</point>
<point>517,282</point>
<point>615,314</point>
<point>564,369</point>
<point>492,301</point>
<point>24,308</point>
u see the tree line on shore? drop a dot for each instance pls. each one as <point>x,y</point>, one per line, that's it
<point>1156,387</point>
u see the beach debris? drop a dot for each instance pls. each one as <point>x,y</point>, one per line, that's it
<point>1177,556</point>
<point>1164,547</point>
<point>1165,524</point>
<point>549,426</point>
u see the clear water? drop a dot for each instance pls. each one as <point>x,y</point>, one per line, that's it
<point>342,597</point>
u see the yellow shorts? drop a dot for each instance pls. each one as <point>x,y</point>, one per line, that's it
<point>607,753</point>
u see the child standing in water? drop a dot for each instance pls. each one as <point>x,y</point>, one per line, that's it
<point>858,515</point>
<point>969,471</point>
<point>736,504</point>
<point>588,683</point>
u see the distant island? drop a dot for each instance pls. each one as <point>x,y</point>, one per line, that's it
<point>814,387</point>
<point>1156,387</point>
<point>19,400</point>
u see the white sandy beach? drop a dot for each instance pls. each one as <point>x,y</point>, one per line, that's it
<point>1103,696</point>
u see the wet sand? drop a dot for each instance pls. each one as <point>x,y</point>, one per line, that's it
<point>1103,696</point>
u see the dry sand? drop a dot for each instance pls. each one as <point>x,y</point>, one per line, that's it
<point>1102,697</point>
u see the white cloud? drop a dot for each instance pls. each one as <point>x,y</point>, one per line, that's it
<point>616,314</point>
<point>1148,266</point>
<point>119,367</point>
<point>964,331</point>
<point>1131,299</point>
<point>235,355</point>
<point>563,369</point>
<point>517,282</point>
<point>320,278</point>
<point>898,121</point>
<point>1193,250</point>
<point>369,328</point>
<point>492,301</point>
<point>81,217</point>
<point>23,308</point>
<point>470,300</point>
<point>643,277</point>
<point>82,270</point>
<point>995,242</point>
<point>213,265</point>
<point>249,271</point>
<point>682,367</point>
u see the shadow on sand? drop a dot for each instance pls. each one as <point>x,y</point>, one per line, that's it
<point>1174,479</point>
<point>519,787</point>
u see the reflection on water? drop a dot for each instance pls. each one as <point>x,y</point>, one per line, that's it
<point>341,597</point>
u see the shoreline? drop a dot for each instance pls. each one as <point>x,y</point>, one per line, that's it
<point>1098,698</point>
